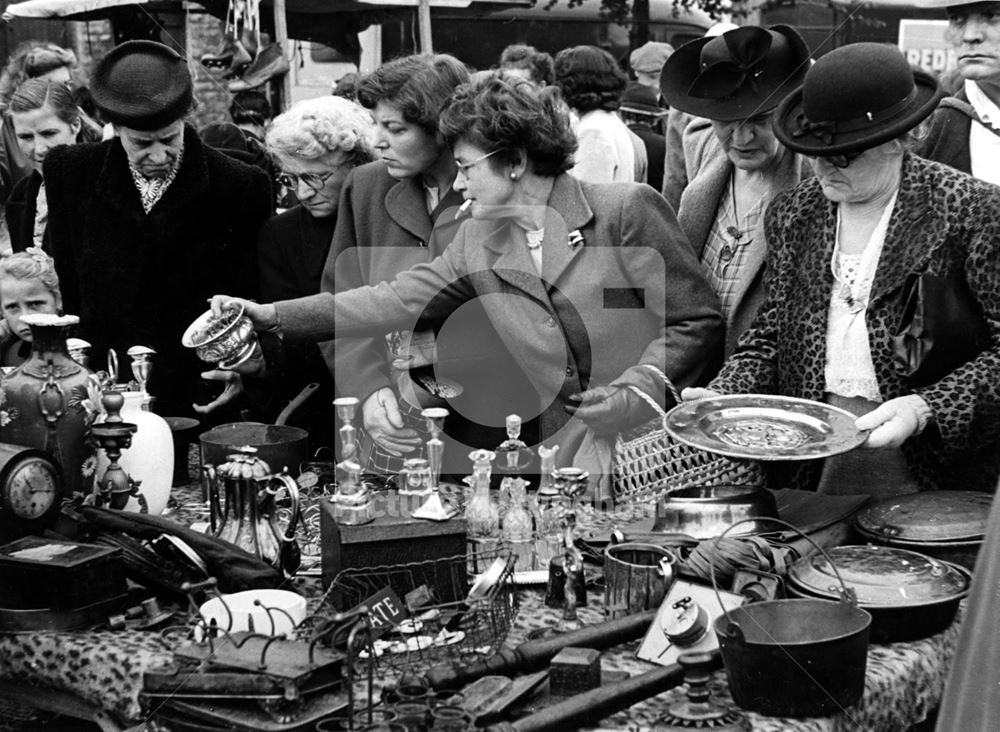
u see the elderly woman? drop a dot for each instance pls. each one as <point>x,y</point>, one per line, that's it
<point>314,146</point>
<point>44,115</point>
<point>737,167</point>
<point>840,249</point>
<point>593,287</point>
<point>396,213</point>
<point>592,85</point>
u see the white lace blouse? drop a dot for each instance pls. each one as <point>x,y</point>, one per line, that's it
<point>849,370</point>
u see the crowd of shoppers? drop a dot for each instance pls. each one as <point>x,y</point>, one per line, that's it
<point>547,238</point>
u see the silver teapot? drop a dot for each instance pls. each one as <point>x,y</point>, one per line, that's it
<point>247,515</point>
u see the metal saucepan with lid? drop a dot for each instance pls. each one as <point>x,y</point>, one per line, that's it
<point>948,525</point>
<point>909,595</point>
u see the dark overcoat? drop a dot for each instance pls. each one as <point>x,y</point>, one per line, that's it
<point>140,279</point>
<point>944,222</point>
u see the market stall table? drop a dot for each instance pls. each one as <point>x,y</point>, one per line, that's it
<point>104,669</point>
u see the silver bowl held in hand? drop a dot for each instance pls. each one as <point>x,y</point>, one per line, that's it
<point>227,340</point>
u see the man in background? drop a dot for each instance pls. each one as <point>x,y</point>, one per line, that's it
<point>965,129</point>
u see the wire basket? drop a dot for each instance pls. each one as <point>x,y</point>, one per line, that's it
<point>473,603</point>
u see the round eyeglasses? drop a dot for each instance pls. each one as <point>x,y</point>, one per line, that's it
<point>315,181</point>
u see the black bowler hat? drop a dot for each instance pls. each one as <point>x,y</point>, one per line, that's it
<point>854,98</point>
<point>143,85</point>
<point>739,74</point>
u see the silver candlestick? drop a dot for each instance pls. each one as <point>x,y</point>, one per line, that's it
<point>352,502</point>
<point>142,364</point>
<point>433,508</point>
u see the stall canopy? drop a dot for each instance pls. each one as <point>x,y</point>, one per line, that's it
<point>333,22</point>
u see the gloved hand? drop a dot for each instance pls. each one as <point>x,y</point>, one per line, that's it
<point>609,410</point>
<point>234,387</point>
<point>693,393</point>
<point>895,421</point>
<point>384,423</point>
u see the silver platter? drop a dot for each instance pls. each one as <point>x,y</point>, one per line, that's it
<point>764,427</point>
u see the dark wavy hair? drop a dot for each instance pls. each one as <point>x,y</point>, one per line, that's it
<point>589,78</point>
<point>537,63</point>
<point>418,85</point>
<point>510,114</point>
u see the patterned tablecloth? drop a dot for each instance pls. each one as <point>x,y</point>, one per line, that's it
<point>904,681</point>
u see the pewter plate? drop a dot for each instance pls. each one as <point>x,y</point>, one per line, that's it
<point>764,427</point>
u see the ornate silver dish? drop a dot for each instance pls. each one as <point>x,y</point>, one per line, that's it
<point>764,427</point>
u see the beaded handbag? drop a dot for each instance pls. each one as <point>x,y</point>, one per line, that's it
<point>648,462</point>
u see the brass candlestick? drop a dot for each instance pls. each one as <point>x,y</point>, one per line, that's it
<point>114,435</point>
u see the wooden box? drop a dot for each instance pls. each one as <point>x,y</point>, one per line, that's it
<point>396,538</point>
<point>37,572</point>
<point>574,671</point>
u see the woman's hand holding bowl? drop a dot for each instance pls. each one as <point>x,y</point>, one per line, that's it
<point>263,317</point>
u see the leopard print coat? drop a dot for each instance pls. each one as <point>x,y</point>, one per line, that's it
<point>944,222</point>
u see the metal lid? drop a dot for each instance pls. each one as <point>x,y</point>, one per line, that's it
<point>881,575</point>
<point>928,516</point>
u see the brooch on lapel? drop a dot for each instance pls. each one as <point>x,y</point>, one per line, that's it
<point>575,238</point>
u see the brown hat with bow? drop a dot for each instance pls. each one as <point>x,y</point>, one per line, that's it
<point>737,75</point>
<point>854,98</point>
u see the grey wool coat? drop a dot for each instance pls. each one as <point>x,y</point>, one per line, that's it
<point>709,172</point>
<point>620,287</point>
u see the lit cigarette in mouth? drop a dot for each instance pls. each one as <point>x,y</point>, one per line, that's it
<point>464,207</point>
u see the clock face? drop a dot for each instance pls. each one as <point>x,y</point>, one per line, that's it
<point>31,489</point>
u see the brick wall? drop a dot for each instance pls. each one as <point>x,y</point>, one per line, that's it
<point>204,34</point>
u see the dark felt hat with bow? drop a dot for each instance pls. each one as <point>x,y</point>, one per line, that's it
<point>854,98</point>
<point>740,74</point>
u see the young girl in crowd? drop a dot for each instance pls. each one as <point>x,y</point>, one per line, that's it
<point>44,114</point>
<point>28,284</point>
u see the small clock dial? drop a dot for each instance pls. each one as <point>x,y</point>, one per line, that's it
<point>31,489</point>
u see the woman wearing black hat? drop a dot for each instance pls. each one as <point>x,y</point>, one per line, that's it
<point>840,249</point>
<point>145,226</point>
<point>735,169</point>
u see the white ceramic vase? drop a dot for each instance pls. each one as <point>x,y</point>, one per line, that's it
<point>150,458</point>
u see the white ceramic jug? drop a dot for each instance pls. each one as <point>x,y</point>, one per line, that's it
<point>150,459</point>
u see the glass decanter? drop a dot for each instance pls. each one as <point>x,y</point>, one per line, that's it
<point>550,506</point>
<point>518,526</point>
<point>482,515</point>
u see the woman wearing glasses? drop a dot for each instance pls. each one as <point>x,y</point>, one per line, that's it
<point>314,145</point>
<point>397,213</point>
<point>736,167</point>
<point>841,247</point>
<point>593,287</point>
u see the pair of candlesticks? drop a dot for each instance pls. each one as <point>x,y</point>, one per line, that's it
<point>352,501</point>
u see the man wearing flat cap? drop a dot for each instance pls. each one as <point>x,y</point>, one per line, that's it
<point>965,129</point>
<point>647,62</point>
<point>149,225</point>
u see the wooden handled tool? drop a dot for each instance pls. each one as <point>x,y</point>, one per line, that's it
<point>533,655</point>
<point>584,709</point>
